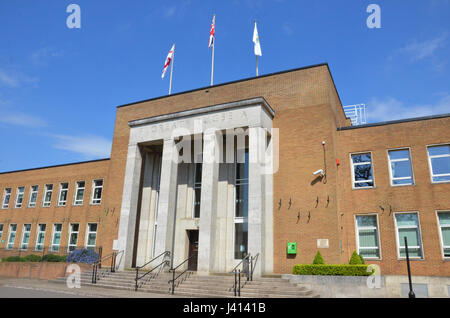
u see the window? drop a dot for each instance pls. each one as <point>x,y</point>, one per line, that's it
<point>439,159</point>
<point>33,196</point>
<point>367,236</point>
<point>79,193</point>
<point>1,231</point>
<point>19,196</point>
<point>197,188</point>
<point>400,169</point>
<point>241,204</point>
<point>47,195</point>
<point>12,236</point>
<point>25,236</point>
<point>362,172</point>
<point>97,191</point>
<point>63,189</point>
<point>73,237</point>
<point>91,236</point>
<point>407,225</point>
<point>444,226</point>
<point>56,240</point>
<point>6,198</point>
<point>40,237</point>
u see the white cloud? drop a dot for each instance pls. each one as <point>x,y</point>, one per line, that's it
<point>11,117</point>
<point>15,79</point>
<point>392,109</point>
<point>87,145</point>
<point>421,50</point>
<point>41,56</point>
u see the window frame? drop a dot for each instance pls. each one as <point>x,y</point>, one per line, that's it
<point>237,183</point>
<point>87,236</point>
<point>352,170</point>
<point>38,231</point>
<point>31,196</point>
<point>430,165</point>
<point>77,188</point>
<point>378,235</point>
<point>441,238</point>
<point>70,235</point>
<point>196,186</point>
<point>23,236</point>
<point>53,238</point>
<point>391,178</point>
<point>2,226</point>
<point>93,191</point>
<point>45,195</point>
<point>4,198</point>
<point>17,197</point>
<point>399,257</point>
<point>9,237</point>
<point>62,203</point>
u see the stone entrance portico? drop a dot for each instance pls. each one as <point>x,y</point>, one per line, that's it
<point>157,204</point>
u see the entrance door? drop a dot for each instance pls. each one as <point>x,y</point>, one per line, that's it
<point>193,250</point>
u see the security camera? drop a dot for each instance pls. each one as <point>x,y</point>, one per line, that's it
<point>323,142</point>
<point>320,171</point>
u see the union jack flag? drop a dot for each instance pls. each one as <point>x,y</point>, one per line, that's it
<point>211,33</point>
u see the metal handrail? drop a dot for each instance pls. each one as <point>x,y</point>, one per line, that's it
<point>252,266</point>
<point>237,276</point>
<point>164,262</point>
<point>173,273</point>
<point>98,264</point>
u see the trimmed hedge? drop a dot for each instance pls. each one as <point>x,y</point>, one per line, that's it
<point>12,259</point>
<point>356,259</point>
<point>331,269</point>
<point>318,259</point>
<point>53,258</point>
<point>31,258</point>
<point>35,258</point>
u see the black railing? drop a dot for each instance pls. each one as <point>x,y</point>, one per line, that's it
<point>237,275</point>
<point>160,266</point>
<point>253,261</point>
<point>98,265</point>
<point>174,279</point>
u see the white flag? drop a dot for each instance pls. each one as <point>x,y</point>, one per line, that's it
<point>256,41</point>
<point>168,60</point>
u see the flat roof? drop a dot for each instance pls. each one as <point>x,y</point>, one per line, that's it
<point>392,122</point>
<point>55,166</point>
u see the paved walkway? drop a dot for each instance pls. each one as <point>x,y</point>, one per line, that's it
<point>34,288</point>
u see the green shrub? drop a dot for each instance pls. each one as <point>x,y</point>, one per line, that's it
<point>318,259</point>
<point>12,259</point>
<point>31,258</point>
<point>331,269</point>
<point>53,258</point>
<point>362,259</point>
<point>355,259</point>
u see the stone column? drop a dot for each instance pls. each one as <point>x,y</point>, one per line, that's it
<point>167,195</point>
<point>256,196</point>
<point>128,210</point>
<point>208,203</point>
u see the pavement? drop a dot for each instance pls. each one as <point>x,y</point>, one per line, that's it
<point>35,288</point>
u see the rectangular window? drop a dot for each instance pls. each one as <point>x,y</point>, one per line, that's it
<point>12,236</point>
<point>91,236</point>
<point>6,198</point>
<point>25,236</point>
<point>47,195</point>
<point>367,241</point>
<point>79,193</point>
<point>439,159</point>
<point>241,204</point>
<point>1,231</point>
<point>197,188</point>
<point>362,172</point>
<point>19,196</point>
<point>63,189</point>
<point>444,226</point>
<point>97,192</point>
<point>56,239</point>
<point>407,225</point>
<point>400,169</point>
<point>33,196</point>
<point>73,237</point>
<point>40,237</point>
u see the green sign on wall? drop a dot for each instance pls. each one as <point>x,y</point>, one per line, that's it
<point>292,248</point>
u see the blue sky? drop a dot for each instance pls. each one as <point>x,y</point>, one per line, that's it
<point>59,87</point>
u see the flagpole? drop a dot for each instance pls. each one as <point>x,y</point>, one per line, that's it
<point>256,65</point>
<point>213,46</point>
<point>171,69</point>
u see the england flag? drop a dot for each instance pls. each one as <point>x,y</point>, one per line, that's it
<point>168,60</point>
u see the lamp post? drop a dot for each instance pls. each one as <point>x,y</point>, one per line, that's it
<point>411,292</point>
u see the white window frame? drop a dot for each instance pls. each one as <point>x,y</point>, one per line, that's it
<point>70,235</point>
<point>352,167</point>
<point>18,193</point>
<point>39,231</point>
<point>410,227</point>
<point>195,186</point>
<point>46,190</point>
<point>78,188</point>
<point>63,203</point>
<point>9,237</point>
<point>440,233</point>
<point>391,178</point>
<point>1,231</point>
<point>377,228</point>
<point>23,237</point>
<point>430,165</point>
<point>93,192</point>
<point>53,237</point>
<point>30,203</point>
<point>5,194</point>
<point>87,236</point>
<point>239,182</point>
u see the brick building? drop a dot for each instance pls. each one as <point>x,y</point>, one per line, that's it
<point>378,183</point>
